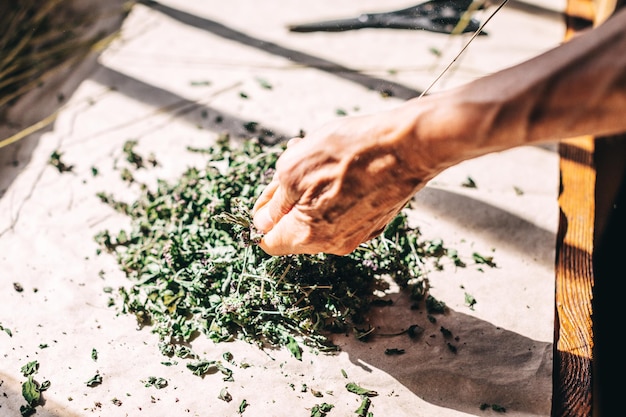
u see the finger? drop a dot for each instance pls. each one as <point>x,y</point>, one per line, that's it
<point>267,215</point>
<point>293,141</point>
<point>262,220</point>
<point>285,238</point>
<point>266,196</point>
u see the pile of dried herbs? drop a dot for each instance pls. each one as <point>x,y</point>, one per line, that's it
<point>195,269</point>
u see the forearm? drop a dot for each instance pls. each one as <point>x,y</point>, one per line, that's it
<point>576,89</point>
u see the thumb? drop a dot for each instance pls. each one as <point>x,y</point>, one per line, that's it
<point>272,210</point>
<point>286,237</point>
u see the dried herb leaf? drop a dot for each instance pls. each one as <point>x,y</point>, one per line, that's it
<point>94,380</point>
<point>31,392</point>
<point>470,300</point>
<point>320,410</point>
<point>225,395</point>
<point>6,330</point>
<point>480,259</point>
<point>363,409</point>
<point>30,368</point>
<point>242,406</point>
<point>156,382</point>
<point>356,389</point>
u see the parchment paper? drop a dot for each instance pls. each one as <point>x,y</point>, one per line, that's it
<point>166,82</point>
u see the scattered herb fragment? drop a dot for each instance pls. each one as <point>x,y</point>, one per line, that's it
<point>131,155</point>
<point>435,51</point>
<point>294,348</point>
<point>94,380</point>
<point>242,406</point>
<point>469,183</point>
<point>30,368</point>
<point>414,330</point>
<point>155,382</point>
<point>495,407</point>
<point>6,330</point>
<point>363,409</point>
<point>94,354</point>
<point>445,332</point>
<point>225,395</point>
<point>316,393</point>
<point>250,126</point>
<point>470,301</point>
<point>394,351</point>
<point>264,83</point>
<point>356,389</point>
<point>486,260</point>
<point>434,306</point>
<point>498,408</point>
<point>31,389</point>
<point>201,368</point>
<point>55,161</point>
<point>18,287</point>
<point>320,410</point>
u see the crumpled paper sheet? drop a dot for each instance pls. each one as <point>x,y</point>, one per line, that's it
<point>48,220</point>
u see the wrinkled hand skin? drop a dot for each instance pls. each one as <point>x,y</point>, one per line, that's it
<point>339,186</point>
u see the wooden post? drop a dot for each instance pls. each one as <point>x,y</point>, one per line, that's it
<point>584,204</point>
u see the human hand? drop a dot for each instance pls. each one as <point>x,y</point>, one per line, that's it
<point>339,186</point>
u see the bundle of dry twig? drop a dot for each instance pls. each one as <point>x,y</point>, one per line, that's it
<point>38,38</point>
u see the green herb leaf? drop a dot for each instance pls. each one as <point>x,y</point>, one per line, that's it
<point>155,382</point>
<point>264,83</point>
<point>225,395</point>
<point>6,330</point>
<point>470,300</point>
<point>201,368</point>
<point>30,391</point>
<point>363,409</point>
<point>27,410</point>
<point>30,368</point>
<point>356,389</point>
<point>320,410</point>
<point>480,259</point>
<point>94,380</point>
<point>55,161</point>
<point>242,406</point>
<point>294,348</point>
<point>469,183</point>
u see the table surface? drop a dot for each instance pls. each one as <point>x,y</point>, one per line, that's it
<point>168,68</point>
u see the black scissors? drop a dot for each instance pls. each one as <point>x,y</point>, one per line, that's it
<point>441,16</point>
